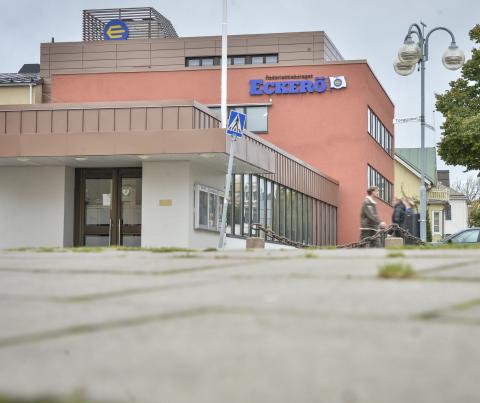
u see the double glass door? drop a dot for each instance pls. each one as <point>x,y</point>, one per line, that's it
<point>109,207</point>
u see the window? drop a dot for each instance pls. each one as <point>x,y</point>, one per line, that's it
<point>285,211</point>
<point>239,60</point>
<point>236,60</point>
<point>448,213</point>
<point>469,236</point>
<point>207,62</point>
<point>193,62</point>
<point>208,208</point>
<point>436,222</point>
<point>257,116</point>
<point>379,132</point>
<point>384,186</point>
<point>270,59</point>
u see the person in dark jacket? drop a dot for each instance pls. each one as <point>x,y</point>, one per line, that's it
<point>369,221</point>
<point>398,216</point>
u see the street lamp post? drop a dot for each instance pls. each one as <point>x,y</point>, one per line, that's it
<point>409,55</point>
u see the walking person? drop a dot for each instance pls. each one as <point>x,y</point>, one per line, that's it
<point>398,216</point>
<point>369,221</point>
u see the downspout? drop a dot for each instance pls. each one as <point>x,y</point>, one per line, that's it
<point>31,93</point>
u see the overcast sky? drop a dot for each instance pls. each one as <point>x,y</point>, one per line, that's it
<point>361,29</point>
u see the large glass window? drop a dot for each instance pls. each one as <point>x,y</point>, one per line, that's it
<point>257,118</point>
<point>254,202</point>
<point>246,205</point>
<point>384,186</point>
<point>379,132</point>
<point>208,207</point>
<point>262,200</point>
<point>237,211</point>
<point>282,210</point>
<point>294,215</point>
<point>276,208</point>
<point>288,213</point>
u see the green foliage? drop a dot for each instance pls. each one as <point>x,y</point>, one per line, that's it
<point>429,228</point>
<point>474,217</point>
<point>396,270</point>
<point>460,143</point>
<point>395,254</point>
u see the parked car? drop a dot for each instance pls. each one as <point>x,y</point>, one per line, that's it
<point>469,235</point>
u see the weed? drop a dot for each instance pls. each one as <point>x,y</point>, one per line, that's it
<point>396,270</point>
<point>395,254</point>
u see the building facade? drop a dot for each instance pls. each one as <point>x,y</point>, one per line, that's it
<point>128,135</point>
<point>284,83</point>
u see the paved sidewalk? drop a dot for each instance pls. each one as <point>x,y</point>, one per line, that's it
<point>238,326</point>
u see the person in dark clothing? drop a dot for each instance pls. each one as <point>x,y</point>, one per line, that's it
<point>369,220</point>
<point>398,216</point>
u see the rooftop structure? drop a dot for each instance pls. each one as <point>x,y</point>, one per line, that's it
<point>142,22</point>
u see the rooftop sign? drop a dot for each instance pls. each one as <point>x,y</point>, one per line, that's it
<point>317,84</point>
<point>115,30</point>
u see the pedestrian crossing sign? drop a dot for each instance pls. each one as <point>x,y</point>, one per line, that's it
<point>236,123</point>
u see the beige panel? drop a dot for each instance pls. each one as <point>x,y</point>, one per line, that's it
<point>233,50</point>
<point>29,122</point>
<point>282,57</point>
<point>132,46</point>
<point>139,119</point>
<point>154,119</point>
<point>99,56</point>
<point>90,121</point>
<point>2,122</point>
<point>185,117</point>
<point>296,38</point>
<point>167,44</point>
<point>65,57</point>
<point>133,63</point>
<point>13,122</point>
<point>262,49</point>
<point>106,120</point>
<point>296,48</point>
<point>170,118</point>
<point>59,121</point>
<point>139,54</point>
<point>100,47</point>
<point>59,48</point>
<point>44,121</point>
<point>168,61</point>
<point>66,65</point>
<point>262,40</point>
<point>122,120</point>
<point>168,53</point>
<point>232,42</point>
<point>200,52</point>
<point>199,44</point>
<point>89,64</point>
<point>44,73</point>
<point>318,47</point>
<point>75,121</point>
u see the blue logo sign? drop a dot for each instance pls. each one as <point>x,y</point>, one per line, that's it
<point>236,123</point>
<point>115,30</point>
<point>319,85</point>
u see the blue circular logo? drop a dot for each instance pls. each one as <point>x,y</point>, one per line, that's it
<point>337,82</point>
<point>115,30</point>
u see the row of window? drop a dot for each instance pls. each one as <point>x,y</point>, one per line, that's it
<point>235,60</point>
<point>287,212</point>
<point>257,116</point>
<point>385,188</point>
<point>379,132</point>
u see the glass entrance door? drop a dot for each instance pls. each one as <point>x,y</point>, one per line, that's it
<point>109,207</point>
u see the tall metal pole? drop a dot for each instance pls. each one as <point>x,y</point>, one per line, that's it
<point>223,112</point>
<point>223,83</point>
<point>423,190</point>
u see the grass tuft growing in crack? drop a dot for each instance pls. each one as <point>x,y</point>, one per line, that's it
<point>396,270</point>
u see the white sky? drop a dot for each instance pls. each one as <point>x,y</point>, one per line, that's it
<point>361,29</point>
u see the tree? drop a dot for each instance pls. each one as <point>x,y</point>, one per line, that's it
<point>470,188</point>
<point>460,105</point>
<point>474,216</point>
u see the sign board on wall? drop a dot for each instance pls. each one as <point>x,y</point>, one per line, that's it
<point>115,30</point>
<point>296,84</point>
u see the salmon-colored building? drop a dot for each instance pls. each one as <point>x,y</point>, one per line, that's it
<point>295,88</point>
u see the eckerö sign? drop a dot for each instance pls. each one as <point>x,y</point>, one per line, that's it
<point>318,84</point>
